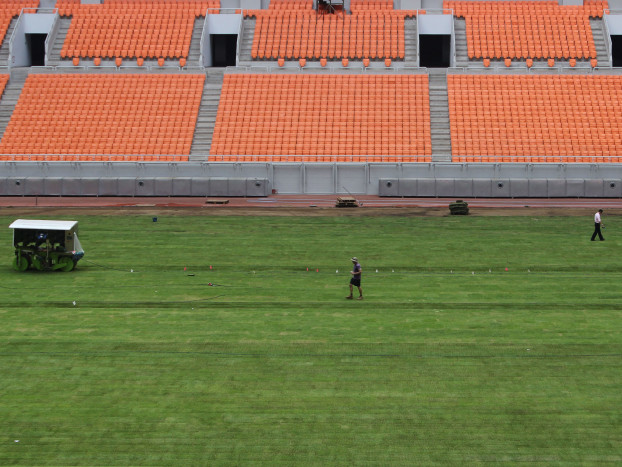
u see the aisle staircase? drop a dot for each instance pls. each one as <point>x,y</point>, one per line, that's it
<point>11,95</point>
<point>247,41</point>
<point>439,115</point>
<point>206,119</point>
<point>410,42</point>
<point>4,50</point>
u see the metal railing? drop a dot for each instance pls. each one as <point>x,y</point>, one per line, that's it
<point>540,159</point>
<point>238,45</point>
<point>94,158</point>
<point>608,44</point>
<point>51,37</point>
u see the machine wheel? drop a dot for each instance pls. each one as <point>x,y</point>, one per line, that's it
<point>66,263</point>
<point>23,264</point>
<point>37,263</point>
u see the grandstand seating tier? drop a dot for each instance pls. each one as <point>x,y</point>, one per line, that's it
<point>535,118</point>
<point>132,29</point>
<point>104,114</point>
<point>294,35</point>
<point>528,29</point>
<point>316,115</point>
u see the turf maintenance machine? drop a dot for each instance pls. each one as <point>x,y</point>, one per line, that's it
<point>46,245</point>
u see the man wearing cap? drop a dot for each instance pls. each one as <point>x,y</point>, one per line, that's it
<point>597,225</point>
<point>356,278</point>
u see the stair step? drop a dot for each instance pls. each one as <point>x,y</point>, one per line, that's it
<point>439,112</point>
<point>206,120</point>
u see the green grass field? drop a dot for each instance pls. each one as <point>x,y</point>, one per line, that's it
<point>450,359</point>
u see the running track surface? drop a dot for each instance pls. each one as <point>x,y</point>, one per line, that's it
<point>302,201</point>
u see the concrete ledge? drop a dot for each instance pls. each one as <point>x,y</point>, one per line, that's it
<point>499,188</point>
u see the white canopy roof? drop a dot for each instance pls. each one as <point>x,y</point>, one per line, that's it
<point>43,225</point>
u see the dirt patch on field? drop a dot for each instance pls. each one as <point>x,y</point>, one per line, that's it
<point>154,211</point>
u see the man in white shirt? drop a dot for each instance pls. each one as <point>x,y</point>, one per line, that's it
<point>597,225</point>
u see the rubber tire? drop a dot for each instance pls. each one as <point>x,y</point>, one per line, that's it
<point>36,263</point>
<point>67,263</point>
<point>23,264</point>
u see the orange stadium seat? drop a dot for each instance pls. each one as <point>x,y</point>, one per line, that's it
<point>132,29</point>
<point>528,29</point>
<point>95,114</point>
<point>323,115</point>
<point>531,118</point>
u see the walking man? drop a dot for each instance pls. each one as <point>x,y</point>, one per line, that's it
<point>356,279</point>
<point>597,226</point>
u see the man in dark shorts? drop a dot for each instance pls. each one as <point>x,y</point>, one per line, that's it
<point>597,226</point>
<point>356,278</point>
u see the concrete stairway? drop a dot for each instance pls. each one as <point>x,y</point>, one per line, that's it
<point>462,57</point>
<point>11,94</point>
<point>247,41</point>
<point>207,115</point>
<point>59,40</point>
<point>410,42</point>
<point>598,31</point>
<point>4,50</point>
<point>194,54</point>
<point>439,115</point>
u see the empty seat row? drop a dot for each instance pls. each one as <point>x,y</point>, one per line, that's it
<point>312,159</point>
<point>104,115</point>
<point>370,5</point>
<point>291,5</point>
<point>508,118</point>
<point>464,8</point>
<point>317,115</point>
<point>131,7</point>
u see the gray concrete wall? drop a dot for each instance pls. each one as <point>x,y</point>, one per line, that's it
<point>260,179</point>
<point>29,23</point>
<point>614,23</point>
<point>434,24</point>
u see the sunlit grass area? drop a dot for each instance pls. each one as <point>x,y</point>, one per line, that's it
<point>225,340</point>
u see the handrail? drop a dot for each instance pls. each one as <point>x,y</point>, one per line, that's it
<point>95,157</point>
<point>51,37</point>
<point>418,52</point>
<point>132,158</point>
<point>226,11</point>
<point>608,44</point>
<point>238,45</point>
<point>12,40</point>
<point>453,38</point>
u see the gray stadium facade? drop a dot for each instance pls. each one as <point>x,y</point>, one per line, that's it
<point>203,177</point>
